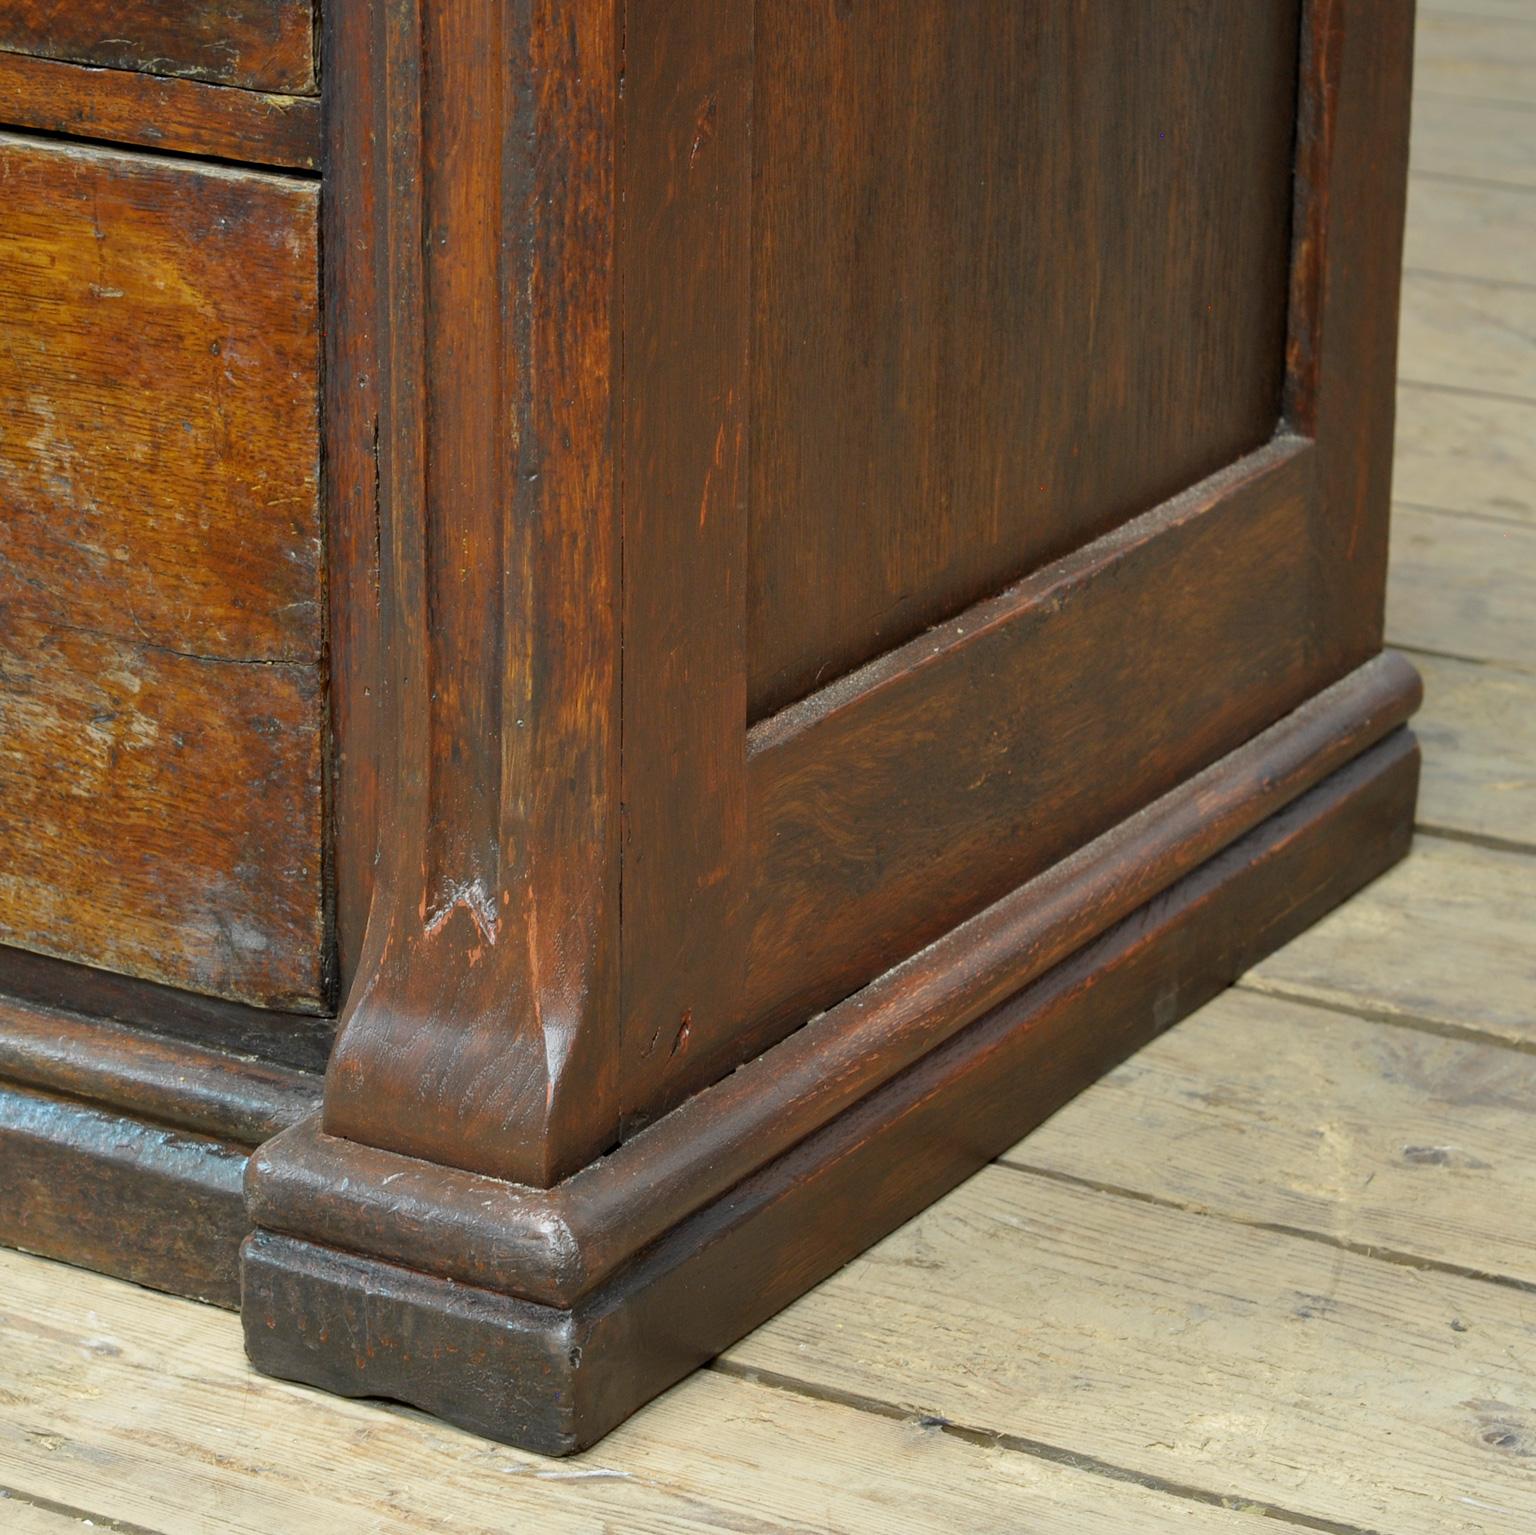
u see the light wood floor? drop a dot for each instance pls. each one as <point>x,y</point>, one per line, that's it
<point>1281,1264</point>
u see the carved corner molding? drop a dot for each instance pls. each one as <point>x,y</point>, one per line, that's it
<point>477,1031</point>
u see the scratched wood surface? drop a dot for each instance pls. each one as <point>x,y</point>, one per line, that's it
<point>1277,1267</point>
<point>123,106</point>
<point>264,45</point>
<point>161,581</point>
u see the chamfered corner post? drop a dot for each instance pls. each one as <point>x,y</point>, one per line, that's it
<point>471,164</point>
<point>473,305</point>
<point>469,400</point>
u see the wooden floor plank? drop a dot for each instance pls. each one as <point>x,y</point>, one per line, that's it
<point>117,1397</point>
<point>1458,453</point>
<point>1478,730</point>
<point>1462,586</point>
<point>1468,230</point>
<point>1199,1351</point>
<point>1475,55</point>
<point>1469,334</point>
<point>1485,140</point>
<point>1509,9</point>
<point>1448,936</point>
<point>21,1518</point>
<point>1280,1114</point>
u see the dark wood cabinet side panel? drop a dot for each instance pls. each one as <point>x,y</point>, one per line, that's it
<point>1360,155</point>
<point>685,228</point>
<point>160,814</point>
<point>159,400</point>
<point>265,45</point>
<point>1018,276</point>
<point>981,754</point>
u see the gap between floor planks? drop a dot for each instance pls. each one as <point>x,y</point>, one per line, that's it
<point>1290,1060</point>
<point>1202,1352</point>
<point>1447,1148</point>
<point>180,1437</point>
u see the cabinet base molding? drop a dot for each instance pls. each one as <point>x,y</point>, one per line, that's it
<point>543,1318</point>
<point>123,1140</point>
<point>130,1114</point>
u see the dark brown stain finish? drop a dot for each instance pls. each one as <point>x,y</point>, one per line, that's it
<point>855,539</point>
<point>481,1028</point>
<point>1018,276</point>
<point>556,1379</point>
<point>265,45</point>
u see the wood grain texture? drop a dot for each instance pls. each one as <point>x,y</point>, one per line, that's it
<point>870,831</point>
<point>482,1025</point>
<point>159,455</point>
<point>895,804</point>
<point>1476,56</point>
<point>1351,163</point>
<point>1459,453</point>
<point>135,1405</point>
<point>1465,229</point>
<point>81,1357</point>
<point>162,813</point>
<point>1461,136</point>
<point>1196,1351</point>
<point>209,1091</point>
<point>158,1206</point>
<point>294,1041</point>
<point>160,572</point>
<point>265,45</point>
<point>357,335</point>
<point>1379,1138</point>
<point>1449,940</point>
<point>1462,586</point>
<point>905,462</point>
<point>556,1379</point>
<point>27,1518</point>
<point>123,1146</point>
<point>1478,727</point>
<point>554,1246</point>
<point>686,234</point>
<point>1512,9</point>
<point>159,112</point>
<point>1468,335</point>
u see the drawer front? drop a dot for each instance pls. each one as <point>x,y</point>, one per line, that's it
<point>265,45</point>
<point>161,578</point>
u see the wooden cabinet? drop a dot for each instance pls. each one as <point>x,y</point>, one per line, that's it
<point>842,593</point>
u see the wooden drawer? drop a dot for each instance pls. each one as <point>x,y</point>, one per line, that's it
<point>161,587</point>
<point>265,45</point>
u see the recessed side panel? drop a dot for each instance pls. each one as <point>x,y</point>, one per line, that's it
<point>946,774</point>
<point>1019,274</point>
